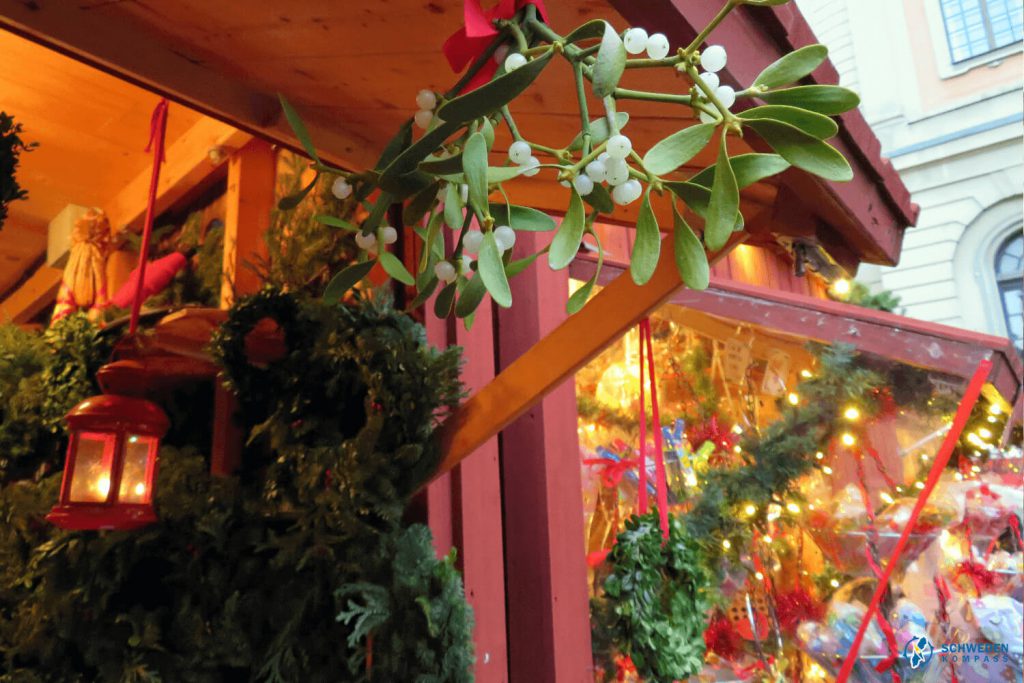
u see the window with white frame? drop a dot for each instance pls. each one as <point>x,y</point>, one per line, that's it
<point>1009,268</point>
<point>976,27</point>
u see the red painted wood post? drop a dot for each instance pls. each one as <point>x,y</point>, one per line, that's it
<point>548,607</point>
<point>464,506</point>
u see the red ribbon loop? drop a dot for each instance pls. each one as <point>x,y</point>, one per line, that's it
<point>661,482</point>
<point>477,33</point>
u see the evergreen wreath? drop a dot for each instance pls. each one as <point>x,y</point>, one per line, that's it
<point>656,598</point>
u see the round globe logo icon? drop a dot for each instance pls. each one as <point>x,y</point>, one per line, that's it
<point>918,652</point>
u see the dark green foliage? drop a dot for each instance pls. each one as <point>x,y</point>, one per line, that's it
<point>655,600</point>
<point>11,147</point>
<point>883,300</point>
<point>41,378</point>
<point>295,570</point>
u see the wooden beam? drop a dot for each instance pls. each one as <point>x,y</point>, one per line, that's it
<point>252,174</point>
<point>35,294</point>
<point>188,165</point>
<point>250,199</point>
<point>139,57</point>
<point>555,358</point>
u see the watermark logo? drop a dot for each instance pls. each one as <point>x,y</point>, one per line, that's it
<point>919,652</point>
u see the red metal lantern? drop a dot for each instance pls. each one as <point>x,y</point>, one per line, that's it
<point>111,464</point>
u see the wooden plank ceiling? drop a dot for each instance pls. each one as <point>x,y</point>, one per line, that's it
<point>92,129</point>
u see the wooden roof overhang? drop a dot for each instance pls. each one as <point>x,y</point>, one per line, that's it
<point>353,70</point>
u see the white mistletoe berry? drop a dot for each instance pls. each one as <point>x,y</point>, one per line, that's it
<point>596,171</point>
<point>628,192</point>
<point>388,235</point>
<point>423,118</point>
<point>617,172</point>
<point>603,157</point>
<point>657,46</point>
<point>444,271</point>
<point>341,189</point>
<point>532,167</point>
<point>472,241</point>
<point>619,146</point>
<point>711,80</point>
<point>635,40</point>
<point>583,184</point>
<point>726,95</point>
<point>514,61</point>
<point>505,237</point>
<point>426,99</point>
<point>519,152</point>
<point>713,58</point>
<point>365,241</point>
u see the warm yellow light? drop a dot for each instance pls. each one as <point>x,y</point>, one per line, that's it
<point>768,539</point>
<point>793,398</point>
<point>848,439</point>
<point>591,427</point>
<point>992,419</point>
<point>140,489</point>
<point>984,433</point>
<point>841,287</point>
<point>885,497</point>
<point>726,544</point>
<point>852,414</point>
<point>103,485</point>
<point>819,455</point>
<point>691,479</point>
<point>994,409</point>
<point>924,456</point>
<point>736,429</point>
<point>806,374</point>
<point>826,469</point>
<point>975,469</point>
<point>759,576</point>
<point>834,583</point>
<point>975,440</point>
<point>793,507</point>
<point>751,510</point>
<point>958,476</point>
<point>737,449</point>
<point>919,485</point>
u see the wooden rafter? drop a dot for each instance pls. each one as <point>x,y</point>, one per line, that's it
<point>555,358</point>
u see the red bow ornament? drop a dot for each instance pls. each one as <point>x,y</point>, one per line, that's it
<point>477,33</point>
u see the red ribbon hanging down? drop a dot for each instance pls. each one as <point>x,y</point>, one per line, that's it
<point>477,34</point>
<point>941,460</point>
<point>157,133</point>
<point>661,483</point>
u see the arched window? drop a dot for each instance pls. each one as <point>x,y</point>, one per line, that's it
<point>1009,274</point>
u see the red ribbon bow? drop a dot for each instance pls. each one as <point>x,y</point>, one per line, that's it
<point>477,33</point>
<point>611,470</point>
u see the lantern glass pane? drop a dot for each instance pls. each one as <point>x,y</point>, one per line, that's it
<point>94,455</point>
<point>135,484</point>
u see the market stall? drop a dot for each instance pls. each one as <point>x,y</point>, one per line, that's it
<point>800,440</point>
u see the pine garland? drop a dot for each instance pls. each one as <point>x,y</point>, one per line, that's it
<point>299,569</point>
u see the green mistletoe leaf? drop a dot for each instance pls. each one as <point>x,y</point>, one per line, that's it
<point>818,125</point>
<point>474,164</point>
<point>599,131</point>
<point>395,268</point>
<point>803,150</point>
<point>691,259</point>
<point>647,247</point>
<point>792,67</point>
<point>611,62</point>
<point>749,168</point>
<point>492,271</point>
<point>669,154</point>
<point>494,95</point>
<point>725,202</point>
<point>824,99</point>
<point>522,218</point>
<point>346,279</point>
<point>570,233</point>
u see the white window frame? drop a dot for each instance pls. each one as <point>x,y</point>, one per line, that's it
<point>940,44</point>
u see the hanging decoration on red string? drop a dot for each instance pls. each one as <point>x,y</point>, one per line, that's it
<point>111,465</point>
<point>661,479</point>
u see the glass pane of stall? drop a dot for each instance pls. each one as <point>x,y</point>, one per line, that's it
<point>793,468</point>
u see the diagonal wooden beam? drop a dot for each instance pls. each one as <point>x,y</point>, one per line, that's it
<point>188,164</point>
<point>556,357</point>
<point>35,294</point>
